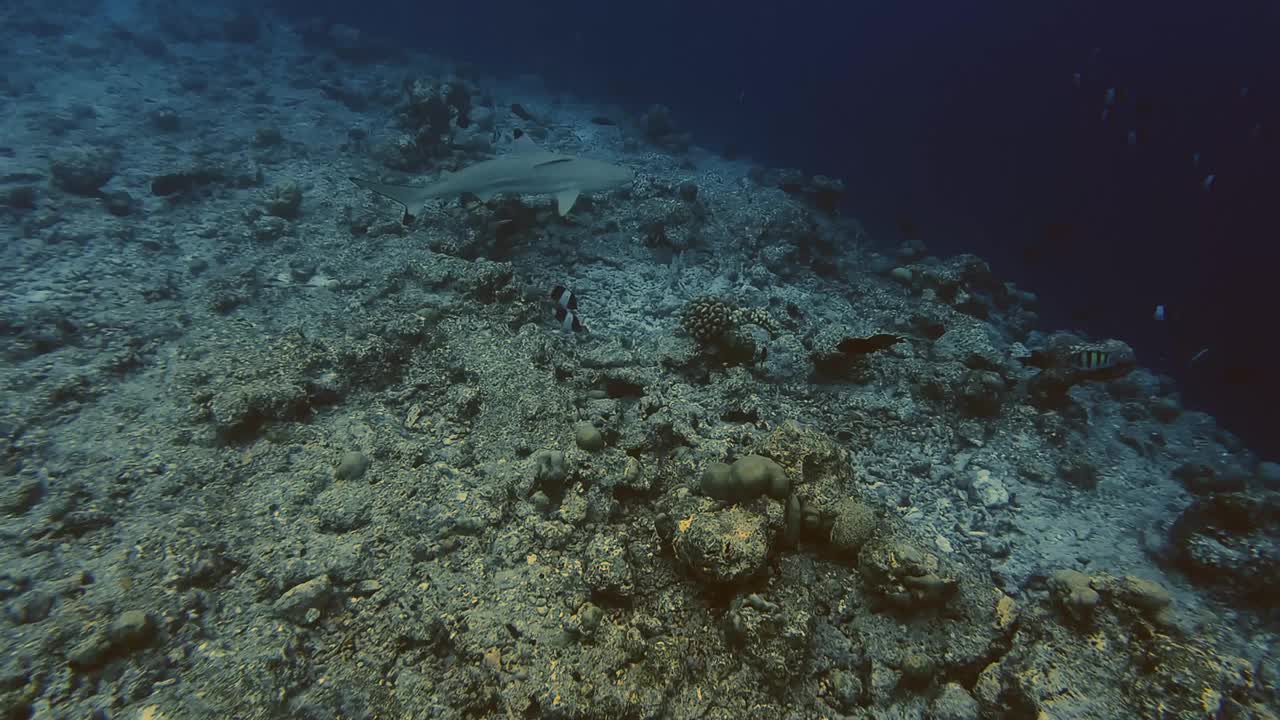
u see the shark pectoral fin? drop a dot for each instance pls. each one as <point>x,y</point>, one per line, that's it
<point>525,144</point>
<point>565,200</point>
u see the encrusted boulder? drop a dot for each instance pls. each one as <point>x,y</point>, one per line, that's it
<point>723,546</point>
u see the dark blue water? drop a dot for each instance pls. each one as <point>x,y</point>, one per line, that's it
<point>962,124</point>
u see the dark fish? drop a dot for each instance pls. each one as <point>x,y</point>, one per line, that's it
<point>564,297</point>
<point>520,112</point>
<point>1093,360</point>
<point>568,320</point>
<point>601,120</point>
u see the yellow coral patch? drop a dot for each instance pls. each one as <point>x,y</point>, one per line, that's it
<point>683,525</point>
<point>1006,612</point>
<point>1098,641</point>
<point>1210,700</point>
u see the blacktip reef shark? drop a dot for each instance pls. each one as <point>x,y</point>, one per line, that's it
<point>527,169</point>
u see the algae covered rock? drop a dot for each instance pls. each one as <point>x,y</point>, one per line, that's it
<point>773,633</point>
<point>747,478</point>
<point>83,172</point>
<point>1073,593</point>
<point>548,470</point>
<point>352,466</point>
<point>953,702</point>
<point>1116,669</point>
<point>903,575</point>
<point>717,481</point>
<point>811,458</point>
<point>1231,542</point>
<point>756,474</point>
<point>588,437</point>
<point>723,546</point>
<point>853,525</point>
<point>1141,593</point>
<point>917,670</point>
<point>607,569</point>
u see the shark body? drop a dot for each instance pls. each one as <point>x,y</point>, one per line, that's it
<point>528,169</point>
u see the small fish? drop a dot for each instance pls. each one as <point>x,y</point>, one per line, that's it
<point>602,120</point>
<point>518,110</point>
<point>1207,183</point>
<point>566,312</point>
<point>1196,358</point>
<point>564,297</point>
<point>1093,360</point>
<point>1108,102</point>
<point>568,320</point>
<point>1158,314</point>
<point>1195,160</point>
<point>1133,137</point>
<point>1244,91</point>
<point>1076,79</point>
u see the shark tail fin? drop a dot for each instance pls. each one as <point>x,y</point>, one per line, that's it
<point>409,197</point>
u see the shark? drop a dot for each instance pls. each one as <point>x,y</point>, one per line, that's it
<point>526,169</point>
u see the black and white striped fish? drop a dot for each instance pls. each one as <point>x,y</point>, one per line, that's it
<point>566,311</point>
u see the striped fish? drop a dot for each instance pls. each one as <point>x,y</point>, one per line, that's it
<point>566,310</point>
<point>1093,360</point>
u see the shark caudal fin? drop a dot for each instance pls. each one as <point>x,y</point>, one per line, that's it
<point>410,197</point>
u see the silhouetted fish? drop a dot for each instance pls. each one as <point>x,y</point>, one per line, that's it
<point>601,120</point>
<point>520,112</point>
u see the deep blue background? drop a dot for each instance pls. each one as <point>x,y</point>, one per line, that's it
<point>963,120</point>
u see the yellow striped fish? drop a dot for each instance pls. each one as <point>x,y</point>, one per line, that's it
<point>1093,360</point>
